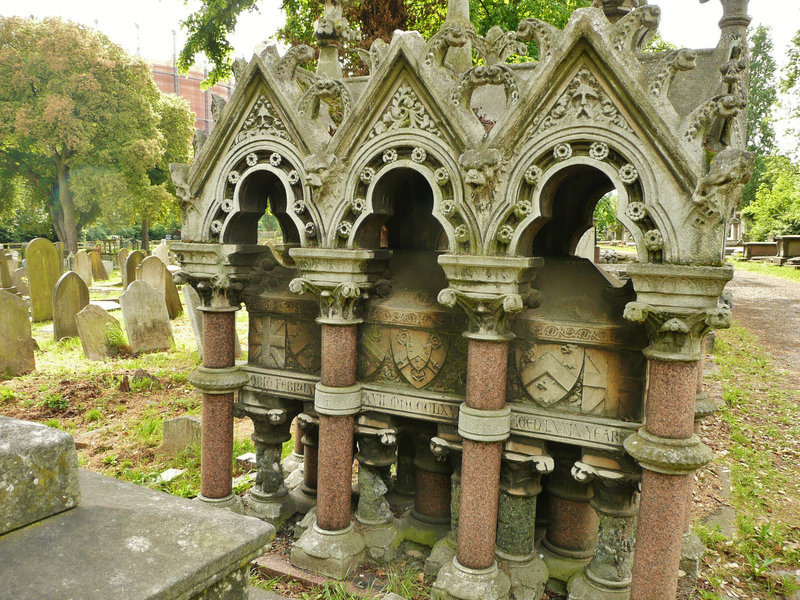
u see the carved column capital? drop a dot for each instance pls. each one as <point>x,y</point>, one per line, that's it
<point>678,305</point>
<point>488,315</point>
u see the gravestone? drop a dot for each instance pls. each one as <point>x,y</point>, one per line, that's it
<point>70,296</point>
<point>179,433</point>
<point>162,252</point>
<point>42,263</point>
<point>144,312</point>
<point>121,258</point>
<point>99,272</point>
<point>19,279</point>
<point>132,261</point>
<point>93,324</point>
<point>16,342</point>
<point>193,304</point>
<point>82,265</point>
<point>6,281</point>
<point>154,271</point>
<point>61,262</point>
<point>108,265</point>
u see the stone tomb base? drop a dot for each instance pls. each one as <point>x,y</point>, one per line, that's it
<point>126,541</point>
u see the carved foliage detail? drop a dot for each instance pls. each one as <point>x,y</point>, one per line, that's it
<point>262,121</point>
<point>405,111</point>
<point>488,315</point>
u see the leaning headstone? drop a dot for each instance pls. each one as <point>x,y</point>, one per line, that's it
<point>19,279</point>
<point>69,297</point>
<point>82,265</point>
<point>144,312</point>
<point>16,342</point>
<point>121,258</point>
<point>98,268</point>
<point>179,433</point>
<point>39,467</point>
<point>132,261</point>
<point>193,304</point>
<point>108,265</point>
<point>154,271</point>
<point>41,259</point>
<point>162,252</point>
<point>98,331</point>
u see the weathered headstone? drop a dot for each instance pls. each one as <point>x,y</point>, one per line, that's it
<point>61,263</point>
<point>193,304</point>
<point>144,312</point>
<point>121,258</point>
<point>16,342</point>
<point>94,327</point>
<point>98,268</point>
<point>6,280</point>
<point>69,297</point>
<point>162,252</point>
<point>129,272</point>
<point>42,259</point>
<point>154,271</point>
<point>82,265</point>
<point>19,279</point>
<point>179,433</point>
<point>108,265</point>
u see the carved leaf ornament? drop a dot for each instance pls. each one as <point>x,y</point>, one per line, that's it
<point>405,111</point>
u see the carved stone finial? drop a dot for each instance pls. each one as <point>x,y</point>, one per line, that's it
<point>217,105</point>
<point>332,32</point>
<point>718,193</point>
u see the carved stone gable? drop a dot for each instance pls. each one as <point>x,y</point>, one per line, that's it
<point>584,100</point>
<point>262,121</point>
<point>405,111</point>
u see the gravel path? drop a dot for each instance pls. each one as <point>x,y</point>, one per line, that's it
<point>770,308</point>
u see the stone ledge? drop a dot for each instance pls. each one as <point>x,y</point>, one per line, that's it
<point>666,455</point>
<point>484,425</point>
<point>126,541</point>
<point>218,381</point>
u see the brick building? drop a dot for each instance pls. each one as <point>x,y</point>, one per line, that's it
<point>187,86</point>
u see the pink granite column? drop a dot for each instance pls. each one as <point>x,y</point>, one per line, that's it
<point>487,362</point>
<point>335,453</point>
<point>671,392</point>
<point>432,490</point>
<point>216,460</point>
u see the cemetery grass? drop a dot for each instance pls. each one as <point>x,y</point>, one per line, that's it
<point>755,435</point>
<point>122,429</point>
<point>763,268</point>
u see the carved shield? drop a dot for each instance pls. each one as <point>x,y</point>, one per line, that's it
<point>373,349</point>
<point>550,372</point>
<point>302,346</point>
<point>418,355</point>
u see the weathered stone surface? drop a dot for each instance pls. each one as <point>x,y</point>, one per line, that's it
<point>132,261</point>
<point>153,270</point>
<point>44,270</point>
<point>121,258</point>
<point>145,545</point>
<point>146,318</point>
<point>93,325</point>
<point>5,270</point>
<point>162,252</point>
<point>179,433</point>
<point>108,265</point>
<point>192,299</point>
<point>98,268</point>
<point>16,348</point>
<point>38,474</point>
<point>82,265</point>
<point>19,280</point>
<point>69,297</point>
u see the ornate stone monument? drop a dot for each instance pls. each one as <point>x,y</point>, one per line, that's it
<point>426,305</point>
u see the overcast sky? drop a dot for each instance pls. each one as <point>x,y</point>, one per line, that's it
<point>684,22</point>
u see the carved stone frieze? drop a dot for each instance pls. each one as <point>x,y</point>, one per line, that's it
<point>262,120</point>
<point>405,111</point>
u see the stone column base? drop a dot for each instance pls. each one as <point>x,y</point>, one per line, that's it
<point>274,508</point>
<point>415,527</point>
<point>334,554</point>
<point>564,564</point>
<point>457,582</point>
<point>231,502</point>
<point>582,587</point>
<point>291,463</point>
<point>692,552</point>
<point>302,501</point>
<point>382,540</point>
<point>399,500</point>
<point>528,576</point>
<point>442,553</point>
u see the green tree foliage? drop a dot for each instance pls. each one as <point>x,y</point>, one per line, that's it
<point>79,123</point>
<point>790,86</point>
<point>605,215</point>
<point>761,103</point>
<point>776,208</point>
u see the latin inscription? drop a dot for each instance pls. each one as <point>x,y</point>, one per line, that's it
<point>296,388</point>
<point>564,429</point>
<point>409,405</point>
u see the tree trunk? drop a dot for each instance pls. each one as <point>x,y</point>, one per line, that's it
<point>145,235</point>
<point>64,210</point>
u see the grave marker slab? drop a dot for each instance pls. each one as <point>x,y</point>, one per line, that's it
<point>132,261</point>
<point>99,272</point>
<point>162,252</point>
<point>93,327</point>
<point>16,349</point>
<point>82,265</point>
<point>43,267</point>
<point>154,271</point>
<point>19,279</point>
<point>179,433</point>
<point>144,312</point>
<point>70,296</point>
<point>121,258</point>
